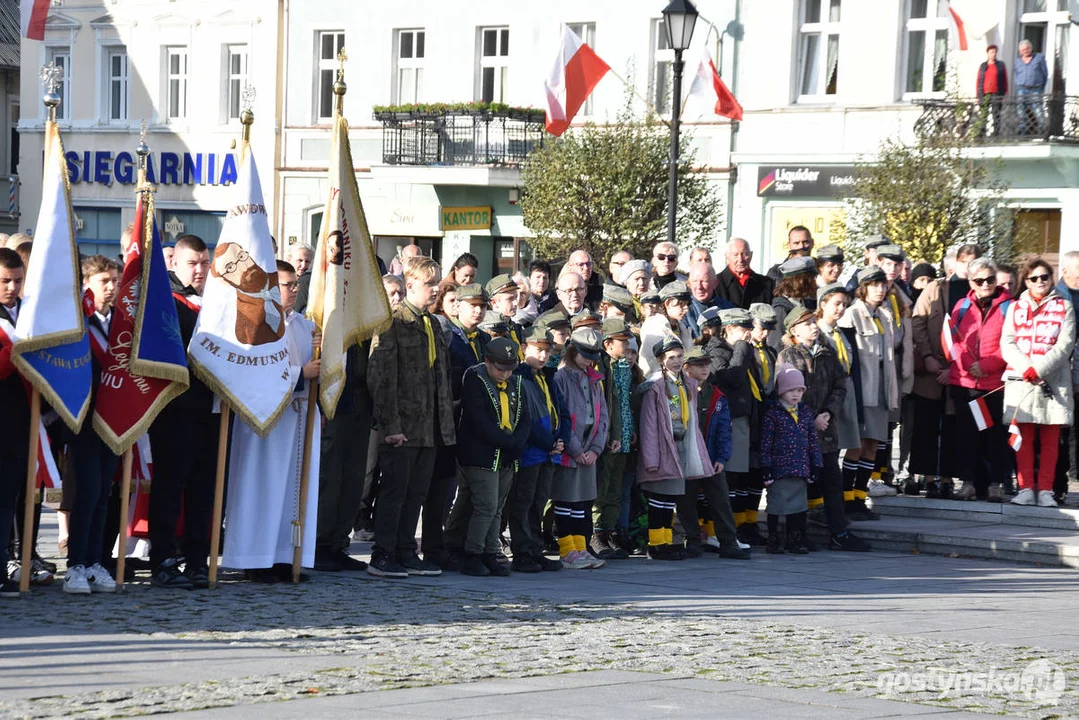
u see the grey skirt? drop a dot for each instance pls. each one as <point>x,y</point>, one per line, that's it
<point>574,484</point>
<point>739,461</point>
<point>874,424</point>
<point>787,496</point>
<point>847,423</point>
<point>671,486</point>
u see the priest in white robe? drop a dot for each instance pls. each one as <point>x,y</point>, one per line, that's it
<point>263,505</point>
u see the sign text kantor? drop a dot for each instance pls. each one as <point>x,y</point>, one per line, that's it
<point>466,218</point>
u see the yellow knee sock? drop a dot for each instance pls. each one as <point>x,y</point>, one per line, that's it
<point>815,502</point>
<point>751,517</point>
<point>668,533</point>
<point>710,528</point>
<point>657,536</point>
<point>566,545</point>
<point>579,543</point>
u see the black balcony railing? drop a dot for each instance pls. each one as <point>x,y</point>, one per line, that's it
<point>1021,118</point>
<point>459,138</point>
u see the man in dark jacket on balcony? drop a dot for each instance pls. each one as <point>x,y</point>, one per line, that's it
<point>992,88</point>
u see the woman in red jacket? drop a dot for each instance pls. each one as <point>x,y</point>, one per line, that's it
<point>977,364</point>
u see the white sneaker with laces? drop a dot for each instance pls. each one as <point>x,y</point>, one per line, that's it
<point>878,488</point>
<point>99,579</point>
<point>76,581</point>
<point>1025,497</point>
<point>1045,499</point>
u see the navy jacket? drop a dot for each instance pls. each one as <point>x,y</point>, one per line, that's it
<point>481,440</point>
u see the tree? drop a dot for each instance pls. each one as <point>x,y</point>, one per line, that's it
<point>603,189</point>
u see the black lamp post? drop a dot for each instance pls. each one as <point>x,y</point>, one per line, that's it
<point>679,17</point>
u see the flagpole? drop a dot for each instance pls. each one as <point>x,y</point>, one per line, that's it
<point>219,490</point>
<point>31,493</point>
<point>121,547</point>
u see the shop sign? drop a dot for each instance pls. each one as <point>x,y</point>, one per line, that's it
<point>819,181</point>
<point>466,218</point>
<point>104,168</point>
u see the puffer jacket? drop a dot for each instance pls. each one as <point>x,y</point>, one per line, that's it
<point>826,385</point>
<point>976,339</point>
<point>1039,335</point>
<point>578,400</point>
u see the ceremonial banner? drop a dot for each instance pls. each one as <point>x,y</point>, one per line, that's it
<point>146,362</point>
<point>347,300</point>
<point>238,347</point>
<point>51,346</point>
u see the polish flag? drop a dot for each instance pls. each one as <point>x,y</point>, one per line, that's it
<point>710,88</point>
<point>947,338</point>
<point>1014,438</point>
<point>48,475</point>
<point>33,14</point>
<point>576,72</point>
<point>980,411</point>
<point>957,27</point>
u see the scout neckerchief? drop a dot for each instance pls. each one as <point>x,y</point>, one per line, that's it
<point>542,382</point>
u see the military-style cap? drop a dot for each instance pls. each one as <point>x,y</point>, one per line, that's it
<point>763,313</point>
<point>696,354</point>
<point>553,319</point>
<point>502,352</point>
<point>500,283</point>
<point>619,297</point>
<point>875,241</point>
<point>676,290</point>
<point>537,335</point>
<point>799,313</point>
<point>651,298</point>
<point>709,318</point>
<point>797,265</point>
<point>634,266</point>
<point>891,252</point>
<point>585,318</point>
<point>473,292</point>
<point>736,317</point>
<point>616,328</point>
<point>588,343</point>
<point>871,274</point>
<point>665,344</point>
<point>830,289</point>
<point>494,322</point>
<point>830,253</point>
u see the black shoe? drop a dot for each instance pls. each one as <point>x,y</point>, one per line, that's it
<point>947,489</point>
<point>284,573</point>
<point>750,534</point>
<point>733,552</point>
<point>693,550</point>
<point>168,575</point>
<point>199,575</point>
<point>502,558</point>
<point>447,561</point>
<point>9,589</point>
<point>547,564</point>
<point>932,490</point>
<point>525,564</point>
<point>809,544</point>
<point>848,541</point>
<point>495,565</point>
<point>50,566</point>
<point>860,513</point>
<point>663,552</point>
<point>263,575</point>
<point>473,565</point>
<point>414,566</point>
<point>550,546</point>
<point>773,546</point>
<point>326,561</point>
<point>349,563</point>
<point>910,486</point>
<point>384,566</point>
<point>796,543</point>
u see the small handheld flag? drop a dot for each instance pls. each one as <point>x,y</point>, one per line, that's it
<point>980,410</point>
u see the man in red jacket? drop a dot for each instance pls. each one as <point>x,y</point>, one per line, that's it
<point>992,88</point>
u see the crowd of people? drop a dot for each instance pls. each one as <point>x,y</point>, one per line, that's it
<point>547,421</point>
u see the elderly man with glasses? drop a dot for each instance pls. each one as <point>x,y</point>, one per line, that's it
<point>581,263</point>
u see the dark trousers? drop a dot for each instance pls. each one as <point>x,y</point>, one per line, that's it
<point>525,504</point>
<point>984,457</point>
<point>1067,458</point>
<point>12,478</point>
<point>717,502</point>
<point>608,503</point>
<point>343,465</point>
<point>95,465</point>
<point>474,523</point>
<point>185,467</point>
<point>436,504</point>
<point>406,476</point>
<point>830,488</point>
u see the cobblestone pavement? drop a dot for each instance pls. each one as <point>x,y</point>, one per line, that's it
<point>347,633</point>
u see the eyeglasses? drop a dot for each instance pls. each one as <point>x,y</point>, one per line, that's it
<point>586,263</point>
<point>1039,278</point>
<point>982,281</point>
<point>667,258</point>
<point>242,257</point>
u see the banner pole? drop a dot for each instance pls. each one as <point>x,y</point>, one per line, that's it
<point>219,491</point>
<point>121,547</point>
<point>31,494</point>
<point>305,471</point>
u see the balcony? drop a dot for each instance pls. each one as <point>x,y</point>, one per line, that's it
<point>1026,118</point>
<point>459,137</point>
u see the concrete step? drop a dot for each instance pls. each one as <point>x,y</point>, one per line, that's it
<point>975,511</point>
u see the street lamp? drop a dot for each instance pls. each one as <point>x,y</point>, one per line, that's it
<point>679,17</point>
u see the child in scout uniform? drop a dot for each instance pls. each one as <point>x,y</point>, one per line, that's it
<point>574,487</point>
<point>619,386</point>
<point>560,328</point>
<point>550,430</point>
<point>709,499</point>
<point>503,293</point>
<point>468,341</point>
<point>764,362</point>
<point>790,458</point>
<point>495,426</point>
<point>495,325</point>
<point>710,326</point>
<point>672,447</point>
<point>897,306</point>
<point>617,303</point>
<point>651,304</point>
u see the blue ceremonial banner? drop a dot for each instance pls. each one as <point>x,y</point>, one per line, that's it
<point>158,348</point>
<point>51,346</point>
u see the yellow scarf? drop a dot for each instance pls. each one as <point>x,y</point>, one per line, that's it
<point>683,401</point>
<point>639,309</point>
<point>504,406</point>
<point>763,354</point>
<point>520,347</point>
<point>753,386</point>
<point>472,342</point>
<point>895,308</point>
<point>430,340</point>
<point>542,382</point>
<point>841,350</point>
<point>793,413</point>
<point>876,321</point>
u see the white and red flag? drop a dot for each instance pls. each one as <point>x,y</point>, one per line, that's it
<point>33,15</point>
<point>958,29</point>
<point>947,338</point>
<point>980,410</point>
<point>710,89</point>
<point>1015,438</point>
<point>575,74</point>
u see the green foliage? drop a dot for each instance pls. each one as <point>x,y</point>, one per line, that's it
<point>603,189</point>
<point>459,107</point>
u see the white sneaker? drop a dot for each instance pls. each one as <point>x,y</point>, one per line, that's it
<point>76,581</point>
<point>594,561</point>
<point>576,560</point>
<point>878,488</point>
<point>99,579</point>
<point>1025,497</point>
<point>1045,499</point>
<point>363,535</point>
<point>39,575</point>
<point>712,541</point>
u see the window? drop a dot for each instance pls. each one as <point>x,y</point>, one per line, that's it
<point>62,57</point>
<point>818,72</point>
<point>587,33</point>
<point>116,64</point>
<point>408,73</point>
<point>176,83</point>
<point>236,78</point>
<point>1045,23</point>
<point>329,44</point>
<point>662,68</point>
<point>494,64</point>
<point>927,46</point>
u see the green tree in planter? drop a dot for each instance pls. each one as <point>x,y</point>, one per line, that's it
<point>603,189</point>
